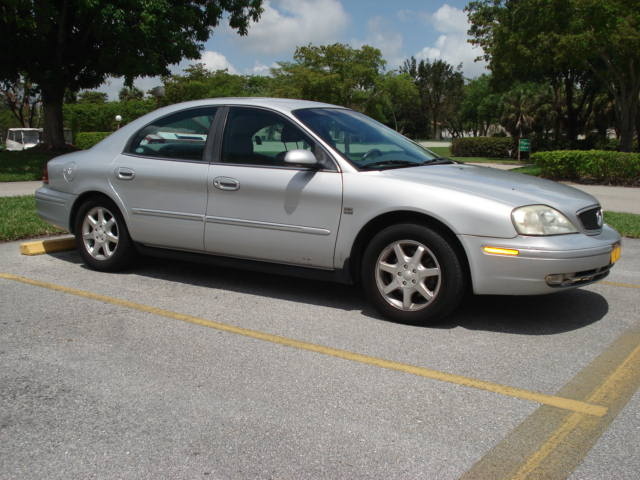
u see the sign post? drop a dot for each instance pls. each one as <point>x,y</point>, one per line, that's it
<point>524,146</point>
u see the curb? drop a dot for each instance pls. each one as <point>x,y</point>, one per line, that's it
<point>48,246</point>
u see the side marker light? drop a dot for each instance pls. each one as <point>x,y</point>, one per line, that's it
<point>501,251</point>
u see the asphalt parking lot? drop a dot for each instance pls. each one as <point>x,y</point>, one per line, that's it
<point>175,370</point>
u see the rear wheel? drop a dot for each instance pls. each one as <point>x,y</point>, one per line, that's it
<point>101,235</point>
<point>411,274</point>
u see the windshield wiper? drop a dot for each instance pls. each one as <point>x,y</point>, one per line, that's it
<point>438,161</point>
<point>389,164</point>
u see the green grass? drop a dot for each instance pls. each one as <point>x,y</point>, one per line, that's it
<point>529,170</point>
<point>23,166</point>
<point>441,151</point>
<point>628,224</point>
<point>18,219</point>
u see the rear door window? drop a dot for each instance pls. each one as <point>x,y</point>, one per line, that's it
<point>180,136</point>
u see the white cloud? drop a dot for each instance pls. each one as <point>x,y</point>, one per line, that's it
<point>449,19</point>
<point>260,68</point>
<point>286,24</point>
<point>386,40</point>
<point>216,61</point>
<point>452,45</point>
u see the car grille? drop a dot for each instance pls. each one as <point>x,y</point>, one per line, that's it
<point>591,219</point>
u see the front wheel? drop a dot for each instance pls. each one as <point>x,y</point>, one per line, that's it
<point>411,274</point>
<point>102,237</point>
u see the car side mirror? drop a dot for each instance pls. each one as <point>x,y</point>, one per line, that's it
<point>258,140</point>
<point>303,158</point>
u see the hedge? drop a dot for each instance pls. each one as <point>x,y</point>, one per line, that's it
<point>100,117</point>
<point>601,166</point>
<point>85,140</point>
<point>493,147</point>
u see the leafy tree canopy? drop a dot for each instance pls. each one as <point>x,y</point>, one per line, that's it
<point>197,82</point>
<point>440,87</point>
<point>127,94</point>
<point>91,96</point>
<point>334,73</point>
<point>541,38</point>
<point>76,44</point>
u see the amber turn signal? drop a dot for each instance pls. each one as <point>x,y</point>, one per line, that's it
<point>500,251</point>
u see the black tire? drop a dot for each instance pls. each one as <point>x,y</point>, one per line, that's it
<point>100,251</point>
<point>437,270</point>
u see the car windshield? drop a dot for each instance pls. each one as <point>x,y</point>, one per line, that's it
<point>365,143</point>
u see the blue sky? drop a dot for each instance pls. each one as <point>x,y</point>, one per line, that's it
<point>425,29</point>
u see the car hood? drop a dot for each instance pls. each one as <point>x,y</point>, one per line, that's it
<point>513,189</point>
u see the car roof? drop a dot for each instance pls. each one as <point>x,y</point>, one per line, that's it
<point>281,104</point>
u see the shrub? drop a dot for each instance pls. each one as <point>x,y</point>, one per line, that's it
<point>493,147</point>
<point>85,140</point>
<point>100,117</point>
<point>601,166</point>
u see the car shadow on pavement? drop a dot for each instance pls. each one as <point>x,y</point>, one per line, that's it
<point>526,315</point>
<point>530,315</point>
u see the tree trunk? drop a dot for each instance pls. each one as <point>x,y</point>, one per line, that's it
<point>572,114</point>
<point>626,108</point>
<point>52,99</point>
<point>638,130</point>
<point>626,116</point>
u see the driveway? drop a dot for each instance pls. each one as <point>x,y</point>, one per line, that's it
<point>616,199</point>
<point>14,189</point>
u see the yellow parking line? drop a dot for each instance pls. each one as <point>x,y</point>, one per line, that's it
<point>551,443</point>
<point>40,247</point>
<point>618,284</point>
<point>607,392</point>
<point>550,400</point>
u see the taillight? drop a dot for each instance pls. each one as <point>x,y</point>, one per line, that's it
<point>45,174</point>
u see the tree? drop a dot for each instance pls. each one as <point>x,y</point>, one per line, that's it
<point>76,44</point>
<point>569,42</point>
<point>525,109</point>
<point>440,87</point>
<point>334,73</point>
<point>481,106</point>
<point>520,48</point>
<point>399,98</point>
<point>197,82</point>
<point>22,99</point>
<point>92,96</point>
<point>128,93</point>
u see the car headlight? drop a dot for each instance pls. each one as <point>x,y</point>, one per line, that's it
<point>541,220</point>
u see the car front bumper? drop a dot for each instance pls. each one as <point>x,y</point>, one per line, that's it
<point>542,264</point>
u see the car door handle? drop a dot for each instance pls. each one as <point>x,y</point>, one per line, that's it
<point>124,173</point>
<point>226,183</point>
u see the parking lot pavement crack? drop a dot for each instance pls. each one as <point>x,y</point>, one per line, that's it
<point>559,403</point>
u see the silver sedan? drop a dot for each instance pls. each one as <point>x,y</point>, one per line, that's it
<point>312,189</point>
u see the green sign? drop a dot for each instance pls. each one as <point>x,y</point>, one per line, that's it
<point>524,145</point>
